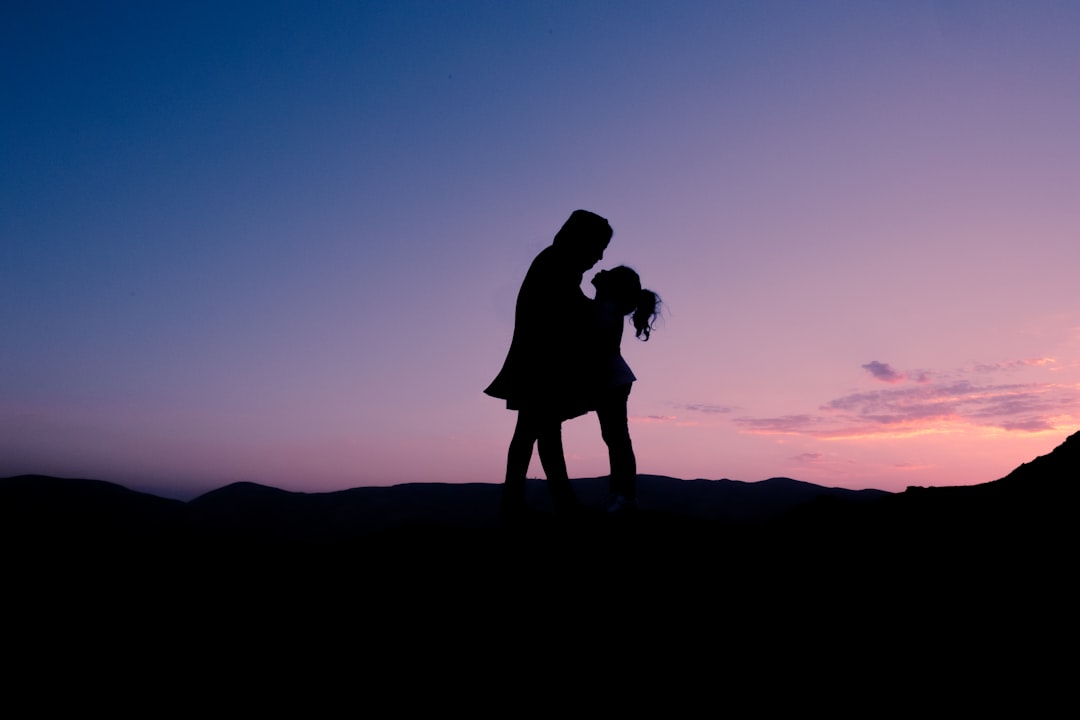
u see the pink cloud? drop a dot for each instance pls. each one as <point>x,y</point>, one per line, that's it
<point>932,407</point>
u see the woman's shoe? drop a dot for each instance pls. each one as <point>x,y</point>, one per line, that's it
<point>621,504</point>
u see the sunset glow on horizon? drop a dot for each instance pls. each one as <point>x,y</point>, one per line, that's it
<point>282,244</point>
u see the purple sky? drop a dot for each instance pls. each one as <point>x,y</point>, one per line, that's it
<point>281,241</point>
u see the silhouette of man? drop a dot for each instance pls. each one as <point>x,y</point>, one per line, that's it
<point>546,374</point>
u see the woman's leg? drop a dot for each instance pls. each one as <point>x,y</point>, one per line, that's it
<point>615,429</point>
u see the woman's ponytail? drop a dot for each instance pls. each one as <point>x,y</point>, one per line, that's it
<point>645,313</point>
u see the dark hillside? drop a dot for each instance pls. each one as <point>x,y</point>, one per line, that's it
<point>778,571</point>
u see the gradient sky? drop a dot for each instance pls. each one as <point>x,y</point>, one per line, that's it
<point>281,241</point>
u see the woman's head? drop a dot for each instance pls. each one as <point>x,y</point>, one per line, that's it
<point>619,285</point>
<point>622,286</point>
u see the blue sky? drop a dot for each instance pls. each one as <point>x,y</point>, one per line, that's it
<point>280,242</point>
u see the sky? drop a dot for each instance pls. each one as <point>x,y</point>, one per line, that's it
<point>280,242</point>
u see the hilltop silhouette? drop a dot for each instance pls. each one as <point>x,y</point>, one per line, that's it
<point>742,573</point>
<point>50,511</point>
<point>47,506</point>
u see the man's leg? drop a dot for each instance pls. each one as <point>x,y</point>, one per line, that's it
<point>550,446</point>
<point>518,458</point>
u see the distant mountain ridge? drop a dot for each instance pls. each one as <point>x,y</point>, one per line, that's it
<point>246,508</point>
<point>40,506</point>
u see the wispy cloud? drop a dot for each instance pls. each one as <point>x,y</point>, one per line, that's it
<point>1032,425</point>
<point>795,424</point>
<point>708,409</point>
<point>911,467</point>
<point>653,418</point>
<point>914,404</point>
<point>1008,365</point>
<point>883,372</point>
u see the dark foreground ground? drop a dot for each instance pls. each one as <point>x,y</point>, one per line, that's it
<point>964,592</point>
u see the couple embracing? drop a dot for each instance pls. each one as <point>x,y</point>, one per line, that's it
<point>565,361</point>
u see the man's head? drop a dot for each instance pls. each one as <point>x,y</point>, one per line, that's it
<point>585,235</point>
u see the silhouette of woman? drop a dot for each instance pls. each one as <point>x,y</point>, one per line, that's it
<point>618,294</point>
<point>546,376</point>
